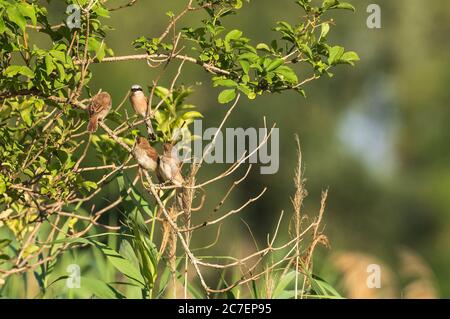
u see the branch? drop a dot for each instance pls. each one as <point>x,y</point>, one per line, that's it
<point>231,212</point>
<point>175,228</point>
<point>114,137</point>
<point>206,66</point>
<point>129,4</point>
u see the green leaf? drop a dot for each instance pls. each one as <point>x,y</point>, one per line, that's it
<point>122,264</point>
<point>247,91</point>
<point>98,47</point>
<point>283,283</point>
<point>162,92</point>
<point>27,10</point>
<point>306,49</point>
<point>2,185</point>
<point>263,47</point>
<point>345,6</point>
<point>2,23</point>
<point>287,74</point>
<point>335,55</point>
<point>59,55</point>
<point>25,114</point>
<point>19,69</point>
<point>101,52</point>
<point>89,185</point>
<point>16,17</point>
<point>100,289</point>
<point>304,4</point>
<point>254,290</point>
<point>335,4</point>
<point>128,253</point>
<point>63,231</point>
<point>248,56</point>
<point>225,82</point>
<point>326,4</point>
<point>227,96</point>
<point>245,65</point>
<point>320,285</point>
<point>324,30</point>
<point>233,35</point>
<point>4,242</point>
<point>349,57</point>
<point>286,26</point>
<point>191,115</point>
<point>237,4</point>
<point>274,64</point>
<point>49,66</point>
<point>101,11</point>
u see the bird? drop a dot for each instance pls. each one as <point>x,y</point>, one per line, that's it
<point>140,105</point>
<point>169,166</point>
<point>98,110</point>
<point>146,156</point>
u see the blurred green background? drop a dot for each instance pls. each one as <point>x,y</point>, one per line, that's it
<point>376,135</point>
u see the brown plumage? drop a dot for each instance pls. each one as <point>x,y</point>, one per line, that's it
<point>169,168</point>
<point>98,110</point>
<point>140,104</point>
<point>145,154</point>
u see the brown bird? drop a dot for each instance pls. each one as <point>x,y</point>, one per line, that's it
<point>169,168</point>
<point>145,154</point>
<point>98,109</point>
<point>140,104</point>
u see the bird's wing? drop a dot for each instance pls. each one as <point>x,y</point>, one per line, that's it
<point>173,156</point>
<point>96,105</point>
<point>150,151</point>
<point>175,165</point>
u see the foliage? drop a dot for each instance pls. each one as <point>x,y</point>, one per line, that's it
<point>45,192</point>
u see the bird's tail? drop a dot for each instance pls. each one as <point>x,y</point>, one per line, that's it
<point>151,133</point>
<point>93,124</point>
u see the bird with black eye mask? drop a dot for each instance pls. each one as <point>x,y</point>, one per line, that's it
<point>140,105</point>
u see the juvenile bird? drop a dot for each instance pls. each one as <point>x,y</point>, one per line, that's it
<point>98,109</point>
<point>140,105</point>
<point>169,168</point>
<point>145,154</point>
